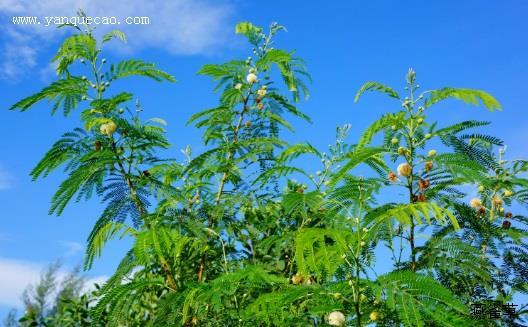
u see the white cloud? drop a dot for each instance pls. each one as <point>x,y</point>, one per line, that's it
<point>16,275</point>
<point>177,26</point>
<point>72,248</point>
<point>6,180</point>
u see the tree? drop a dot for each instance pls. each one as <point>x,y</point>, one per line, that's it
<point>216,241</point>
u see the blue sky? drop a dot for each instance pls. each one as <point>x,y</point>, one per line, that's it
<point>470,43</point>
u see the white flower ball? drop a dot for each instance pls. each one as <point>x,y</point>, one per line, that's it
<point>336,318</point>
<point>251,78</point>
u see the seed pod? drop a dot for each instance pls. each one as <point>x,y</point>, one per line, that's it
<point>97,145</point>
<point>248,124</point>
<point>260,106</point>
<point>508,215</point>
<point>423,184</point>
<point>300,190</point>
<point>422,198</point>
<point>428,166</point>
<point>392,177</point>
<point>506,224</point>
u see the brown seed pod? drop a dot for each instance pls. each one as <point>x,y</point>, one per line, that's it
<point>506,224</point>
<point>508,215</point>
<point>97,145</point>
<point>260,106</point>
<point>248,124</point>
<point>422,198</point>
<point>423,184</point>
<point>300,190</point>
<point>257,100</point>
<point>392,177</point>
<point>481,210</point>
<point>428,166</point>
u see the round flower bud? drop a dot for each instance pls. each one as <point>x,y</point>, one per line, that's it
<point>248,124</point>
<point>374,316</point>
<point>475,203</point>
<point>508,193</point>
<point>392,177</point>
<point>481,189</point>
<point>261,92</point>
<point>336,318</point>
<point>251,78</point>
<point>431,153</point>
<point>395,141</point>
<point>238,86</point>
<point>428,136</point>
<point>404,169</point>
<point>362,243</point>
<point>420,120</point>
<point>393,127</point>
<point>121,110</point>
<point>297,279</point>
<point>260,106</point>
<point>506,224</point>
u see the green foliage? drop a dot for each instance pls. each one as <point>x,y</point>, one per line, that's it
<point>216,242</point>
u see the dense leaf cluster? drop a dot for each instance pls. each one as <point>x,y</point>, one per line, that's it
<point>229,237</point>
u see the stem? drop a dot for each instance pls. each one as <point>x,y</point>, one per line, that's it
<point>139,206</point>
<point>221,185</point>
<point>410,161</point>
